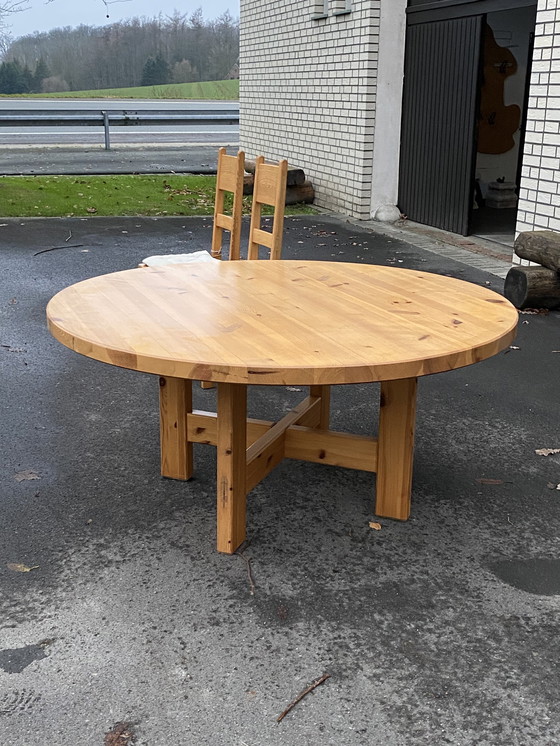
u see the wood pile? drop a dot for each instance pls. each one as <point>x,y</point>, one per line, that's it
<point>298,188</point>
<point>535,286</point>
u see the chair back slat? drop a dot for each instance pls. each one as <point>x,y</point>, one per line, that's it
<point>263,238</point>
<point>224,221</point>
<point>228,176</point>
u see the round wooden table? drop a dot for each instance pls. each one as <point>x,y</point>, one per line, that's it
<point>276,323</point>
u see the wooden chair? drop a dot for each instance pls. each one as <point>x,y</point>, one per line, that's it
<point>229,179</point>
<point>269,189</point>
<point>231,170</point>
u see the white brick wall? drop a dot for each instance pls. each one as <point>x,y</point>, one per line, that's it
<point>307,93</point>
<point>539,194</point>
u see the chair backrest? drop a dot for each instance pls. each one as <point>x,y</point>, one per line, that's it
<point>269,189</point>
<point>231,169</point>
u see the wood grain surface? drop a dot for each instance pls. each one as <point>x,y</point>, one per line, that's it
<point>282,322</point>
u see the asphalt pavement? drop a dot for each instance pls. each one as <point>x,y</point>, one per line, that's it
<point>120,159</point>
<point>439,630</point>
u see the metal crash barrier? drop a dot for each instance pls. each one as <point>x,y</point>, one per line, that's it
<point>114,117</point>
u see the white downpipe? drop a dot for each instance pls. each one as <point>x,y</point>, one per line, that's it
<point>388,110</point>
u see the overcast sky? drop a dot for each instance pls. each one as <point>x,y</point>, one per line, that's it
<point>43,16</point>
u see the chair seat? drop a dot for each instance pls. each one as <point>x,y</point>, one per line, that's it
<point>162,260</point>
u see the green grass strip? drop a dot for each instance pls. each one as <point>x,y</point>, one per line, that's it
<point>114,195</point>
<point>213,90</point>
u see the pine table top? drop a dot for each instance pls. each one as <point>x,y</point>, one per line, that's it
<point>282,322</point>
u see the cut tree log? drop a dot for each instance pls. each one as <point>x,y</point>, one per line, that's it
<point>302,193</point>
<point>248,183</point>
<point>294,194</point>
<point>533,287</point>
<point>296,176</point>
<point>542,247</point>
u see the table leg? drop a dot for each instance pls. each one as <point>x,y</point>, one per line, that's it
<point>232,465</point>
<point>395,448</point>
<point>325,393</point>
<point>175,402</point>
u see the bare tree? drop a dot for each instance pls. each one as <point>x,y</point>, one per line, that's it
<point>7,7</point>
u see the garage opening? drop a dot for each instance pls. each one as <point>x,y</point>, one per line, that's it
<point>464,113</point>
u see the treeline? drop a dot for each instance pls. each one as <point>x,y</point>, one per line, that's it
<point>179,49</point>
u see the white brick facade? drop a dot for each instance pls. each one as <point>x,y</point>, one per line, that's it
<point>539,196</point>
<point>308,91</point>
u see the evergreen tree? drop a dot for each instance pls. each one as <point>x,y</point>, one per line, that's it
<point>27,79</point>
<point>13,78</point>
<point>156,71</point>
<point>41,72</point>
<point>149,72</point>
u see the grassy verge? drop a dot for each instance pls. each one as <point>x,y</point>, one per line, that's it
<point>78,196</point>
<point>216,90</point>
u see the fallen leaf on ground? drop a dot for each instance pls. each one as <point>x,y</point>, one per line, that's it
<point>91,209</point>
<point>120,734</point>
<point>375,526</point>
<point>21,568</point>
<point>546,451</point>
<point>26,475</point>
<point>490,481</point>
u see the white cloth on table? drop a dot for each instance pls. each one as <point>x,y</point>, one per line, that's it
<point>161,260</point>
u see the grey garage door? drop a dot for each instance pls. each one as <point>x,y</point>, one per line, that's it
<point>438,145</point>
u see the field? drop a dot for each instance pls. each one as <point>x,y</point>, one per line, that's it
<point>77,196</point>
<point>215,90</point>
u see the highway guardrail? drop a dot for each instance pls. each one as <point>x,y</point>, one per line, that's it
<point>109,117</point>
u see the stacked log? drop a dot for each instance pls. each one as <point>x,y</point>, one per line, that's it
<point>535,286</point>
<point>298,188</point>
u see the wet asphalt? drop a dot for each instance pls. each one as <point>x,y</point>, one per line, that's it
<point>440,630</point>
<point>136,158</point>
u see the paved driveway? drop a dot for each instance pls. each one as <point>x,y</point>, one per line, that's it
<point>440,630</point>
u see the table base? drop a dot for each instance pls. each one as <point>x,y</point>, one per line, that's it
<point>249,449</point>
